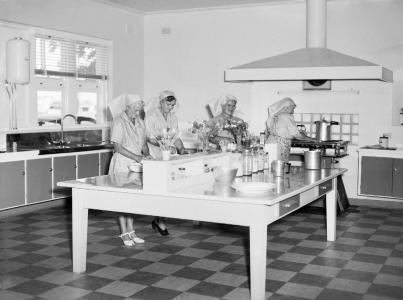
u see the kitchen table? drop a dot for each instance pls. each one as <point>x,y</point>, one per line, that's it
<point>209,202</point>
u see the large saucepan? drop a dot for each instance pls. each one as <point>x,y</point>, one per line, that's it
<point>323,131</point>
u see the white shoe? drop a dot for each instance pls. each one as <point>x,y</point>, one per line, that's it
<point>128,242</point>
<point>134,238</point>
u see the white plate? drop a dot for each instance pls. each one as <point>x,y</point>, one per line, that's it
<point>253,187</point>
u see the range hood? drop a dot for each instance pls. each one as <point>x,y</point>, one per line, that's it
<point>315,62</point>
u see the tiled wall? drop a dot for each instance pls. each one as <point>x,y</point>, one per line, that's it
<point>347,130</point>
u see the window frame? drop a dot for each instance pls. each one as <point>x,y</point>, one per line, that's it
<point>70,85</point>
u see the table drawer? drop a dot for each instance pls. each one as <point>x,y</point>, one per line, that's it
<point>325,187</point>
<point>288,205</point>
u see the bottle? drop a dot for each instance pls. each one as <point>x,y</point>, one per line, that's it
<point>266,160</point>
<point>261,139</point>
<point>261,160</point>
<point>247,163</point>
<point>255,161</point>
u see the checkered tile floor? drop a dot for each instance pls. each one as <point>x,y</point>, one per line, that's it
<point>211,262</point>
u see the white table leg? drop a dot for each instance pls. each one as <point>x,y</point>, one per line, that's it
<point>331,212</point>
<point>258,247</point>
<point>80,228</point>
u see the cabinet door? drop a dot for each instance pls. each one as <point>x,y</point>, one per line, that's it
<point>12,184</point>
<point>105,160</point>
<point>88,165</point>
<point>398,178</point>
<point>64,168</point>
<point>376,175</point>
<point>39,180</point>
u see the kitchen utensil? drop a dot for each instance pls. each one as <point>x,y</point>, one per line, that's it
<point>323,131</point>
<point>279,168</point>
<point>224,175</point>
<point>313,159</point>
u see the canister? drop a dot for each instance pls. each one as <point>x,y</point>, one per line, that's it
<point>384,141</point>
<point>313,159</point>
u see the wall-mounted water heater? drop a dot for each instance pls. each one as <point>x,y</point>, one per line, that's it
<point>17,72</point>
<point>17,61</point>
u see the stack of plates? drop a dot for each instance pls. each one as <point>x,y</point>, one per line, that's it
<point>253,188</point>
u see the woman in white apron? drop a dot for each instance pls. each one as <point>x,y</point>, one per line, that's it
<point>130,145</point>
<point>161,117</point>
<point>281,127</point>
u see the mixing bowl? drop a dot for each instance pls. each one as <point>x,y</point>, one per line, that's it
<point>224,175</point>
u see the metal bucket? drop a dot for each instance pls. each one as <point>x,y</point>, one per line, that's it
<point>313,159</point>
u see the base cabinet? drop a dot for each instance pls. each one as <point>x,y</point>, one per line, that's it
<point>381,176</point>
<point>39,179</point>
<point>105,160</point>
<point>12,184</point>
<point>35,180</point>
<point>88,165</point>
<point>64,169</point>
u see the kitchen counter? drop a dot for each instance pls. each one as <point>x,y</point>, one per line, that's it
<point>30,153</point>
<point>206,202</point>
<point>381,152</point>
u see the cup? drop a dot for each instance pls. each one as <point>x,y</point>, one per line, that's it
<point>166,154</point>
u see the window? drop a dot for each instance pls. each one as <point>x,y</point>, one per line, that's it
<point>71,78</point>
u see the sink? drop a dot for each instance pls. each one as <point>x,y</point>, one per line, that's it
<point>378,147</point>
<point>54,149</point>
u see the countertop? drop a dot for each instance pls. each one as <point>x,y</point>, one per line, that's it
<point>298,181</point>
<point>381,152</point>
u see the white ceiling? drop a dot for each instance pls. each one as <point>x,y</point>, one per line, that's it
<point>153,6</point>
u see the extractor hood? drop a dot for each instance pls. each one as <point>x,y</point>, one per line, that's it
<point>315,62</point>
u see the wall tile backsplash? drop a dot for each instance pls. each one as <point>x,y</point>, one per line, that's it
<point>347,130</point>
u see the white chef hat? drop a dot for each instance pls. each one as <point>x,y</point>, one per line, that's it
<point>222,99</point>
<point>156,101</point>
<point>118,105</point>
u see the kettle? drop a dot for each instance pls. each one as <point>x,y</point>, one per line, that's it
<point>323,132</point>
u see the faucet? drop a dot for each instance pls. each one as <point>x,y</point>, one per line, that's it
<point>62,141</point>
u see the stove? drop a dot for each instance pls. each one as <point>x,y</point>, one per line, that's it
<point>333,148</point>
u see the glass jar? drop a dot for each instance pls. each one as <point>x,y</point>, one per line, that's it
<point>261,160</point>
<point>255,161</point>
<point>247,163</point>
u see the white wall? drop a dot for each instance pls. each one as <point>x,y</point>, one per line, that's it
<point>91,19</point>
<point>191,60</point>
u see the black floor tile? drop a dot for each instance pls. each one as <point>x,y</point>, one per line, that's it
<point>89,282</point>
<point>33,287</point>
<point>193,273</point>
<point>211,289</point>
<point>140,277</point>
<point>155,293</point>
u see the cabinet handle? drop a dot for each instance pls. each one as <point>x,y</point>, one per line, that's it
<point>394,169</point>
<point>323,187</point>
<point>50,169</point>
<point>23,173</point>
<point>75,167</point>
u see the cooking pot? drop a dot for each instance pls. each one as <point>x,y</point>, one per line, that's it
<point>323,132</point>
<point>313,159</point>
<point>279,168</point>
